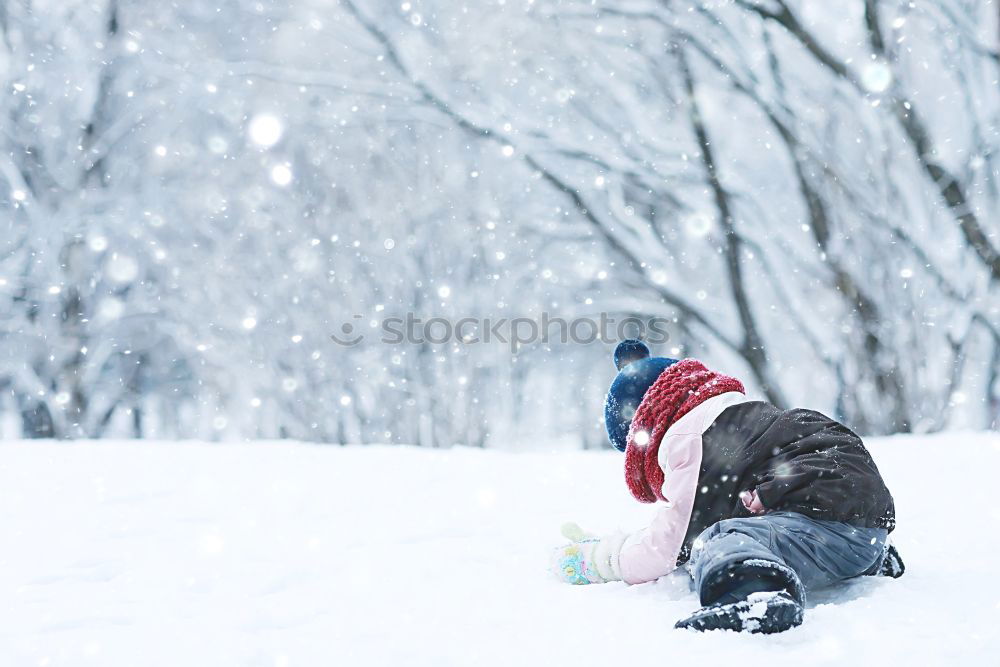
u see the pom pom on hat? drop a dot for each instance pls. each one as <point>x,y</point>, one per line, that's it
<point>628,351</point>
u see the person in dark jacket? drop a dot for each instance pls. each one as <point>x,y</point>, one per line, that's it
<point>763,505</point>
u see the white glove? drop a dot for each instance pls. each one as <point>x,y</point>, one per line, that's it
<point>587,559</point>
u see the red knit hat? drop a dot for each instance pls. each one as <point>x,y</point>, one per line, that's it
<point>679,389</point>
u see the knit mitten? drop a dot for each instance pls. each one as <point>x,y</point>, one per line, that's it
<point>587,559</point>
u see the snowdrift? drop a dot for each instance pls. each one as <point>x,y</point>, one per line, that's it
<point>288,554</point>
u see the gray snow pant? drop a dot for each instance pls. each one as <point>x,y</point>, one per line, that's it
<point>819,552</point>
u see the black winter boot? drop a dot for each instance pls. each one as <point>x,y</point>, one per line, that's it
<point>766,612</point>
<point>892,564</point>
<point>756,596</point>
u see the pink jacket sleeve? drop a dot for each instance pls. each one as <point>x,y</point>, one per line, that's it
<point>651,553</point>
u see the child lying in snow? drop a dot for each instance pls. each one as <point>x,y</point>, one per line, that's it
<point>762,504</point>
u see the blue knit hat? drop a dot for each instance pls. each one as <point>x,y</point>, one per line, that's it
<point>637,372</point>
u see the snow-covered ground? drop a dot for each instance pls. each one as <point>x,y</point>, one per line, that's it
<point>287,554</point>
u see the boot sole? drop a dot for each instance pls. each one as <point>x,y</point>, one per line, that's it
<point>781,613</point>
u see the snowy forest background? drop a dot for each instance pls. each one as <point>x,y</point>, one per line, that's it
<point>196,195</point>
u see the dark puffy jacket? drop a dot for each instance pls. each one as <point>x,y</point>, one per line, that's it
<point>797,461</point>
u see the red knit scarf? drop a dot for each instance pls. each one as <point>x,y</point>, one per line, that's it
<point>679,389</point>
